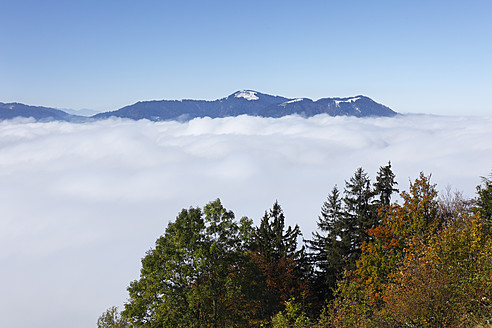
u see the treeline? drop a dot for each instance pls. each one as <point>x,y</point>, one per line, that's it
<point>373,262</point>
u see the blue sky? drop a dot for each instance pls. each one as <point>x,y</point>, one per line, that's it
<point>419,56</point>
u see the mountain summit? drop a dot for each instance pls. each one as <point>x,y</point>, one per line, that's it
<point>244,102</point>
<point>246,94</point>
<point>249,102</point>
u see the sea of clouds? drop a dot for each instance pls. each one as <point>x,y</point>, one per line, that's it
<point>82,203</point>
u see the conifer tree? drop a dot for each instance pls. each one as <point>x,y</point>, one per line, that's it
<point>325,252</point>
<point>484,200</point>
<point>360,215</point>
<point>384,185</point>
<point>276,255</point>
<point>343,226</point>
<point>271,238</point>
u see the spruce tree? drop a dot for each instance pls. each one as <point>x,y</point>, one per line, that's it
<point>325,249</point>
<point>484,200</point>
<point>272,240</point>
<point>343,225</point>
<point>276,255</point>
<point>360,215</point>
<point>384,185</point>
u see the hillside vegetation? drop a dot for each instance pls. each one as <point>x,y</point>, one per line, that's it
<point>422,261</point>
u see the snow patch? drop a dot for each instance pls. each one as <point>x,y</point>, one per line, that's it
<point>349,100</point>
<point>248,95</point>
<point>291,101</point>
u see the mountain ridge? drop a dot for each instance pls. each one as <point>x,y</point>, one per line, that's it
<point>243,102</point>
<point>253,103</point>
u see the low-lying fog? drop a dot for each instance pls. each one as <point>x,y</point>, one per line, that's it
<point>81,203</point>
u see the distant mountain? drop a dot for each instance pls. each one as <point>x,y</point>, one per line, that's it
<point>80,112</point>
<point>13,110</point>
<point>246,102</point>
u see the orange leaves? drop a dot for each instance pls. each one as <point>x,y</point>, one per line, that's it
<point>401,228</point>
<point>281,278</point>
<point>385,235</point>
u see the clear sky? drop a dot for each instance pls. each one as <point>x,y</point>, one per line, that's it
<point>414,56</point>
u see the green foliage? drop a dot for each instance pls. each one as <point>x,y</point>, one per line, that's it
<point>272,240</point>
<point>484,201</point>
<point>292,317</point>
<point>360,215</point>
<point>326,251</point>
<point>192,277</point>
<point>276,256</point>
<point>112,319</point>
<point>384,185</point>
<point>344,226</point>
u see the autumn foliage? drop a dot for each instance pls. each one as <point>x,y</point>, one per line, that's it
<point>424,260</point>
<point>426,267</point>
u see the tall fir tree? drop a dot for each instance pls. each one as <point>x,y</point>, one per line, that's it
<point>325,250</point>
<point>276,254</point>
<point>360,215</point>
<point>272,239</point>
<point>343,226</point>
<point>384,187</point>
<point>484,200</point>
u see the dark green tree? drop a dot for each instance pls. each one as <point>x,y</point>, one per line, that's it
<point>272,240</point>
<point>325,250</point>
<point>484,200</point>
<point>384,187</point>
<point>343,226</point>
<point>279,260</point>
<point>359,215</point>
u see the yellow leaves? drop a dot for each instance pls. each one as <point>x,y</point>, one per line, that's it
<point>424,266</point>
<point>442,280</point>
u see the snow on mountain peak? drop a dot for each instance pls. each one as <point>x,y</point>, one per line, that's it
<point>248,95</point>
<point>349,100</point>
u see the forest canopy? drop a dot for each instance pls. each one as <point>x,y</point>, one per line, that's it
<point>422,261</point>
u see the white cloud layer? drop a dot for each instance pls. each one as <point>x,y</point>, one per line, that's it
<point>81,203</point>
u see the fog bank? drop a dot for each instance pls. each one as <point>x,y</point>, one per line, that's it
<point>81,203</point>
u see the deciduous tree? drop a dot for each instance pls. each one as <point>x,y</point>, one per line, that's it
<point>193,276</point>
<point>112,319</point>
